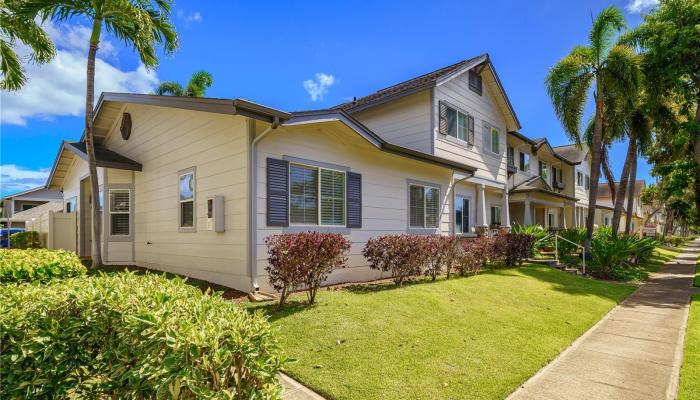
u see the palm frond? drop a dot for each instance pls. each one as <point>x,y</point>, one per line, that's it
<point>199,83</point>
<point>13,77</point>
<point>621,72</point>
<point>169,88</point>
<point>606,26</point>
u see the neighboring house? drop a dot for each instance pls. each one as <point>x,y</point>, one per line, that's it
<point>543,182</point>
<point>195,185</point>
<point>24,201</point>
<point>605,206</point>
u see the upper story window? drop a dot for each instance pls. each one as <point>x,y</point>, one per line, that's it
<point>456,123</point>
<point>492,139</point>
<point>307,186</point>
<point>475,82</point>
<point>588,182</point>
<point>579,178</point>
<point>511,156</point>
<point>71,205</point>
<point>543,170</point>
<point>424,206</point>
<point>524,162</point>
<point>186,198</point>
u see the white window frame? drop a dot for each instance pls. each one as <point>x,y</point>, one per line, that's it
<point>529,158</point>
<point>492,130</point>
<point>318,196</point>
<point>461,198</point>
<point>579,178</point>
<point>112,212</point>
<point>180,174</point>
<point>457,114</point>
<point>544,167</point>
<point>425,204</point>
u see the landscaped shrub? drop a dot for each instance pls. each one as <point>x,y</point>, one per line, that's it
<point>675,241</point>
<point>540,234</point>
<point>443,253</point>
<point>38,265</point>
<point>132,336</point>
<point>642,250</point>
<point>611,256</point>
<point>474,255</point>
<point>25,240</point>
<point>576,235</point>
<point>403,256</point>
<point>304,260</point>
<point>514,248</point>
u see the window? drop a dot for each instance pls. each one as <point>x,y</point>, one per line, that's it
<point>524,162</point>
<point>71,205</point>
<point>459,125</point>
<point>424,206</point>
<point>511,156</point>
<point>100,198</point>
<point>475,82</point>
<point>187,199</point>
<point>606,221</point>
<point>119,209</point>
<point>579,178</point>
<point>26,207</point>
<point>588,182</point>
<point>494,138</point>
<point>308,185</point>
<point>462,215</point>
<point>543,170</point>
<point>495,215</point>
<point>554,174</point>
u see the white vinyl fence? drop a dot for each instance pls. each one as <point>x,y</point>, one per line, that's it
<point>57,230</point>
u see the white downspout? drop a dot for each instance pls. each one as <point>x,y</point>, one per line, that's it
<point>253,202</point>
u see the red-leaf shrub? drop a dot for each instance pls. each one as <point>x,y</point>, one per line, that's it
<point>474,255</point>
<point>402,255</point>
<point>514,248</point>
<point>304,260</point>
<point>443,252</point>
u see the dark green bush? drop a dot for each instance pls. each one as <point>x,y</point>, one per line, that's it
<point>25,240</point>
<point>576,235</point>
<point>132,336</point>
<point>38,265</point>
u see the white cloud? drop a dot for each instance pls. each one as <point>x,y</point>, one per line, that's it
<point>638,6</point>
<point>58,88</point>
<point>189,18</point>
<point>14,178</point>
<point>319,86</point>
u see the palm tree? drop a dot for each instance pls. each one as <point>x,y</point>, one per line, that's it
<point>612,69</point>
<point>196,87</point>
<point>15,27</point>
<point>141,24</point>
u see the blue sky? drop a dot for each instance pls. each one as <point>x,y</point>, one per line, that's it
<point>306,55</point>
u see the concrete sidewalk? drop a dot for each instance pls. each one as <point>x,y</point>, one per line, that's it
<point>634,352</point>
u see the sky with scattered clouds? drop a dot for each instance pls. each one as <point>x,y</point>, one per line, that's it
<point>302,56</point>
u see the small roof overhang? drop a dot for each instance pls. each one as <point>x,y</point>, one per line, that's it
<point>105,159</point>
<point>320,116</point>
<point>537,144</point>
<point>538,185</point>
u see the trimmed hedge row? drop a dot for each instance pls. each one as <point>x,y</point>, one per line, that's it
<point>38,265</point>
<point>129,336</point>
<point>25,240</point>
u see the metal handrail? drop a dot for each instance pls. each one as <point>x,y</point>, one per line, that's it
<point>556,248</point>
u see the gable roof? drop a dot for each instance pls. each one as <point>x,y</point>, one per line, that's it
<point>318,116</point>
<point>29,191</point>
<point>537,143</point>
<point>38,210</point>
<point>537,184</point>
<point>572,152</point>
<point>430,80</point>
<point>604,190</point>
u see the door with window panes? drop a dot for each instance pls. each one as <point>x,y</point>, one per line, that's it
<point>462,215</point>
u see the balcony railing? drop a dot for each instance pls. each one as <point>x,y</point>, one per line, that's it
<point>559,185</point>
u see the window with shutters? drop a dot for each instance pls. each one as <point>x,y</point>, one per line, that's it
<point>119,212</point>
<point>579,178</point>
<point>186,197</point>
<point>494,141</point>
<point>543,170</point>
<point>458,124</point>
<point>475,82</point>
<point>316,196</point>
<point>424,206</point>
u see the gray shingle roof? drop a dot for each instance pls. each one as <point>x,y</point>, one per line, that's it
<point>604,189</point>
<point>572,153</point>
<point>105,157</point>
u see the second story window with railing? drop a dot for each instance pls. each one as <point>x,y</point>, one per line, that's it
<point>511,156</point>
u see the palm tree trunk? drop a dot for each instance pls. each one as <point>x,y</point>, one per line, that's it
<point>622,188</point>
<point>596,146</point>
<point>630,192</point>
<point>607,171</point>
<point>90,143</point>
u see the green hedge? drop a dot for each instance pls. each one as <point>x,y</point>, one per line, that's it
<point>38,265</point>
<point>132,336</point>
<point>25,240</point>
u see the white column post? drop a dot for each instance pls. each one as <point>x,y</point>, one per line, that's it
<point>528,213</point>
<point>506,209</point>
<point>481,217</point>
<point>563,217</point>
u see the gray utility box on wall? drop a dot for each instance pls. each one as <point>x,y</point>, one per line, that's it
<point>215,214</point>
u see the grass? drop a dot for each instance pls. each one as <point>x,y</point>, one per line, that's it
<point>478,337</point>
<point>663,255</point>
<point>690,371</point>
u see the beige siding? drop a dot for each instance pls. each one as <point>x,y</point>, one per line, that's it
<point>405,122</point>
<point>71,188</point>
<point>166,141</point>
<point>484,109</point>
<point>384,188</point>
<point>580,191</point>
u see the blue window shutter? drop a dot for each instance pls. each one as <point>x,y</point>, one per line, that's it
<point>354,200</point>
<point>277,192</point>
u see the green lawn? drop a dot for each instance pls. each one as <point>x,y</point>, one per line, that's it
<point>697,274</point>
<point>690,371</point>
<point>477,337</point>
